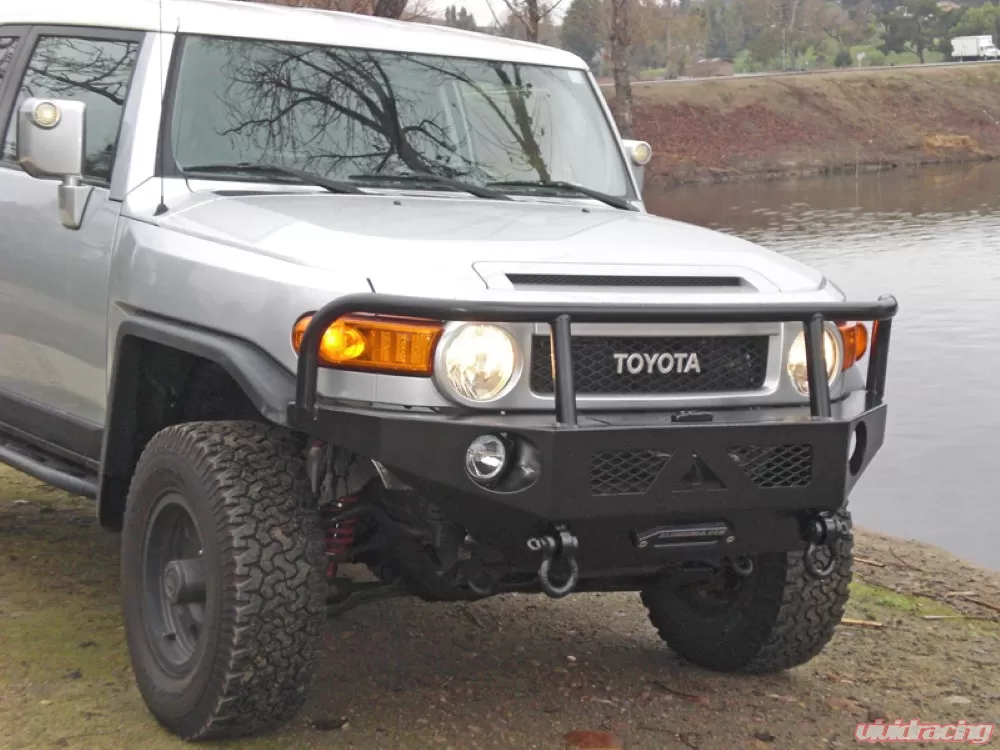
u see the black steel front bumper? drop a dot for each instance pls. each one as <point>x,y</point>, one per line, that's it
<point>633,488</point>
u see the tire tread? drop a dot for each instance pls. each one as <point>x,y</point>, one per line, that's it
<point>274,591</point>
<point>787,624</point>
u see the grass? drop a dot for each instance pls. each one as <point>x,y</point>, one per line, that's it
<point>873,600</point>
<point>822,56</point>
<point>65,679</point>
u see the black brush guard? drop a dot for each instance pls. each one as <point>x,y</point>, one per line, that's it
<point>427,450</point>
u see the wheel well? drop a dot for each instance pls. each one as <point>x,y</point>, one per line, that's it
<point>155,386</point>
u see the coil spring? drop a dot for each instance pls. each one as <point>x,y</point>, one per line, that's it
<point>339,534</point>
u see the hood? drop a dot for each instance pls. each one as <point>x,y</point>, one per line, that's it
<point>451,246</point>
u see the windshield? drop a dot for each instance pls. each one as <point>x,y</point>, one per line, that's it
<point>341,112</point>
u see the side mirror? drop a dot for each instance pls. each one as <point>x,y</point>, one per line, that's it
<point>50,143</point>
<point>639,153</point>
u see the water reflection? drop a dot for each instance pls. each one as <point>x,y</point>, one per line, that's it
<point>932,238</point>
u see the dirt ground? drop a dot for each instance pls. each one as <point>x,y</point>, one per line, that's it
<point>511,672</point>
<point>731,128</point>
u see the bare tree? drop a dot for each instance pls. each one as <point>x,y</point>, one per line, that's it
<point>526,15</point>
<point>330,110</point>
<point>96,72</point>
<point>389,8</point>
<point>621,43</point>
<point>407,10</point>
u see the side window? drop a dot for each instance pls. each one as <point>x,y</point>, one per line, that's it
<point>96,72</point>
<point>7,47</point>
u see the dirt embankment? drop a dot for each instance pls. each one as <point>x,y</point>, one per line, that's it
<point>511,672</point>
<point>714,129</point>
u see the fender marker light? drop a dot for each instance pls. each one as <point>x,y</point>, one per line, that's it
<point>855,337</point>
<point>402,346</point>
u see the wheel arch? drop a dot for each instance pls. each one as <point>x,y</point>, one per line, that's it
<point>165,372</point>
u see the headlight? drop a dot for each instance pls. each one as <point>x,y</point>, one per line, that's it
<point>832,354</point>
<point>480,361</point>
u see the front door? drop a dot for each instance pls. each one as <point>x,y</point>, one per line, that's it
<point>53,280</point>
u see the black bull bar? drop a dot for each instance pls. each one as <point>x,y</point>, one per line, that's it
<point>427,446</point>
<point>560,317</point>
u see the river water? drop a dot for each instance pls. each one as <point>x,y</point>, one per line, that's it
<point>932,238</point>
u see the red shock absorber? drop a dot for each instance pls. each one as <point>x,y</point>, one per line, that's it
<point>339,534</point>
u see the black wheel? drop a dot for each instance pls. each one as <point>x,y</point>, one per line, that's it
<point>775,618</point>
<point>222,578</point>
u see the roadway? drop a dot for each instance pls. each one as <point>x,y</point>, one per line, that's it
<point>607,83</point>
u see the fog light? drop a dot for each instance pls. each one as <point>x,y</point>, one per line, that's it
<point>486,458</point>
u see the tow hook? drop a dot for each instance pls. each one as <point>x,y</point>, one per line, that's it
<point>824,530</point>
<point>561,547</point>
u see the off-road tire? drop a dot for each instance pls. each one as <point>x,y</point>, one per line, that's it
<point>264,610</point>
<point>781,619</point>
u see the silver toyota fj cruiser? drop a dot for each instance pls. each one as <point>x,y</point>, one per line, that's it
<point>289,290</point>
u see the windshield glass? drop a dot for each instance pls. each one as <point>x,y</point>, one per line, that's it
<point>341,112</point>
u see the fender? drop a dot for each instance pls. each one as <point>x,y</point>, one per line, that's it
<point>268,386</point>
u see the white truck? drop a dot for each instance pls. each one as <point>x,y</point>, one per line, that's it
<point>978,47</point>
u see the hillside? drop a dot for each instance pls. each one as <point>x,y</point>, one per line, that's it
<point>726,128</point>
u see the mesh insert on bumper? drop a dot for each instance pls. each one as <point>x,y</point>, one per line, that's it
<point>626,472</point>
<point>634,472</point>
<point>775,465</point>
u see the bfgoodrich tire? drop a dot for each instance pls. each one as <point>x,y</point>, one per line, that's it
<point>776,618</point>
<point>222,578</point>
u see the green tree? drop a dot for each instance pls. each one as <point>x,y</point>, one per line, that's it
<point>686,35</point>
<point>982,20</point>
<point>912,27</point>
<point>765,45</point>
<point>945,29</point>
<point>725,34</point>
<point>584,30</point>
<point>845,26</point>
<point>460,18</point>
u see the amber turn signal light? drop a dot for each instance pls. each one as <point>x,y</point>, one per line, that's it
<point>404,346</point>
<point>855,337</point>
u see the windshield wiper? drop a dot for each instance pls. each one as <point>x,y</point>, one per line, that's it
<point>478,190</point>
<point>569,187</point>
<point>308,178</point>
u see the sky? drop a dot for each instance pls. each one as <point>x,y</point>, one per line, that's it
<point>481,8</point>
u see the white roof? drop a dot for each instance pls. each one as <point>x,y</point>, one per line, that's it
<point>260,21</point>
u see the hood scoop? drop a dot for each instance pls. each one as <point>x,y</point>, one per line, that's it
<point>564,282</point>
